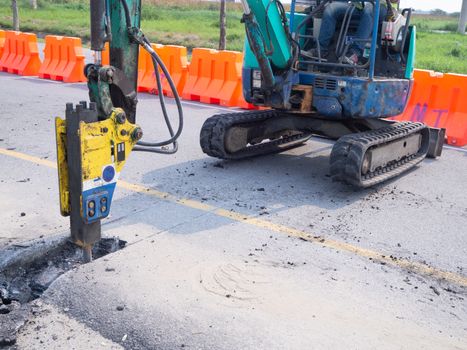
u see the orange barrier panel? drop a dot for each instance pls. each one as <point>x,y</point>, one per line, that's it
<point>176,61</point>
<point>9,50</point>
<point>105,59</point>
<point>439,100</point>
<point>145,79</point>
<point>225,80</point>
<point>51,57</point>
<point>200,73</point>
<point>71,68</point>
<point>216,77</point>
<point>146,75</point>
<point>63,59</point>
<point>2,41</point>
<point>20,54</point>
<point>105,55</point>
<point>225,87</point>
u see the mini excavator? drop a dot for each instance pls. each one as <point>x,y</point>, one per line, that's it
<point>96,138</point>
<point>326,96</point>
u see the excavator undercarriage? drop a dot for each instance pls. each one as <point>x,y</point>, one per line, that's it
<point>313,95</point>
<point>367,151</point>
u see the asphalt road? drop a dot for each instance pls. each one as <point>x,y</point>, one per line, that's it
<point>265,253</point>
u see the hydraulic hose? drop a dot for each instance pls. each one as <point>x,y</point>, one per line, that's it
<point>157,62</point>
<point>158,147</point>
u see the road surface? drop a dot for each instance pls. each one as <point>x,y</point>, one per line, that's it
<point>265,253</point>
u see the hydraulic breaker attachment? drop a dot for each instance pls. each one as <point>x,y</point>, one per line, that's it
<point>94,143</point>
<point>90,157</point>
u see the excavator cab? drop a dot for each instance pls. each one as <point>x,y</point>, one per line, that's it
<point>377,88</point>
<point>326,96</point>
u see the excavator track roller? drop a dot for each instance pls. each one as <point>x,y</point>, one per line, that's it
<point>362,159</point>
<point>369,158</point>
<point>244,135</point>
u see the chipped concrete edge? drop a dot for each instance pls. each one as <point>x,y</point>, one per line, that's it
<point>27,252</point>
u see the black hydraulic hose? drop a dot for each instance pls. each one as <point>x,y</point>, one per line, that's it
<point>344,30</point>
<point>157,62</point>
<point>270,51</point>
<point>127,13</point>
<point>312,14</point>
<point>143,146</point>
<point>154,146</point>
<point>295,47</point>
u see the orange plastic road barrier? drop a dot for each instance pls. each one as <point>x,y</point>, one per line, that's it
<point>63,59</point>
<point>176,61</point>
<point>2,41</point>
<point>146,75</point>
<point>225,87</point>
<point>20,54</point>
<point>226,82</point>
<point>146,81</point>
<point>200,73</point>
<point>51,56</point>
<point>105,55</point>
<point>439,100</point>
<point>216,77</point>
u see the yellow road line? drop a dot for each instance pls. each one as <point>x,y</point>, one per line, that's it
<point>375,256</point>
<point>28,158</point>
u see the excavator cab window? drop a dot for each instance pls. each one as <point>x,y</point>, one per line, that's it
<point>387,56</point>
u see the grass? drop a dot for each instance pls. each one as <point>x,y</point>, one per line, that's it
<point>179,22</point>
<point>196,24</point>
<point>445,52</point>
<point>426,23</point>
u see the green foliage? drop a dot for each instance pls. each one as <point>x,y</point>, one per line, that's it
<point>442,52</point>
<point>439,47</point>
<point>434,23</point>
<point>438,12</point>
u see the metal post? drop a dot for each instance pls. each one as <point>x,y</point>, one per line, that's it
<point>374,39</point>
<point>463,18</point>
<point>292,15</point>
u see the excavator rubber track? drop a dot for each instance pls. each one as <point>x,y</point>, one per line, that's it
<point>213,135</point>
<point>352,154</point>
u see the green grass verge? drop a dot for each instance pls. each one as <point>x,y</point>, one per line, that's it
<point>445,52</point>
<point>176,22</point>
<point>195,24</point>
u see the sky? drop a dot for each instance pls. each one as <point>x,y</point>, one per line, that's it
<point>446,5</point>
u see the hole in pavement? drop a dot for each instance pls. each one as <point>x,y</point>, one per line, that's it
<point>23,283</point>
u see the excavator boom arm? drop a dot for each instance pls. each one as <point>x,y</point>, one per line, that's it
<point>269,38</point>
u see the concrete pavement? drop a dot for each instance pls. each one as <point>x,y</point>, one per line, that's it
<point>214,260</point>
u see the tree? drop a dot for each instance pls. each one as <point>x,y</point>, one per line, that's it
<point>14,8</point>
<point>438,12</point>
<point>33,4</point>
<point>463,18</point>
<point>222,25</point>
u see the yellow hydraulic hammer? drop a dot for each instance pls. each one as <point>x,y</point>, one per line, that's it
<point>90,157</point>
